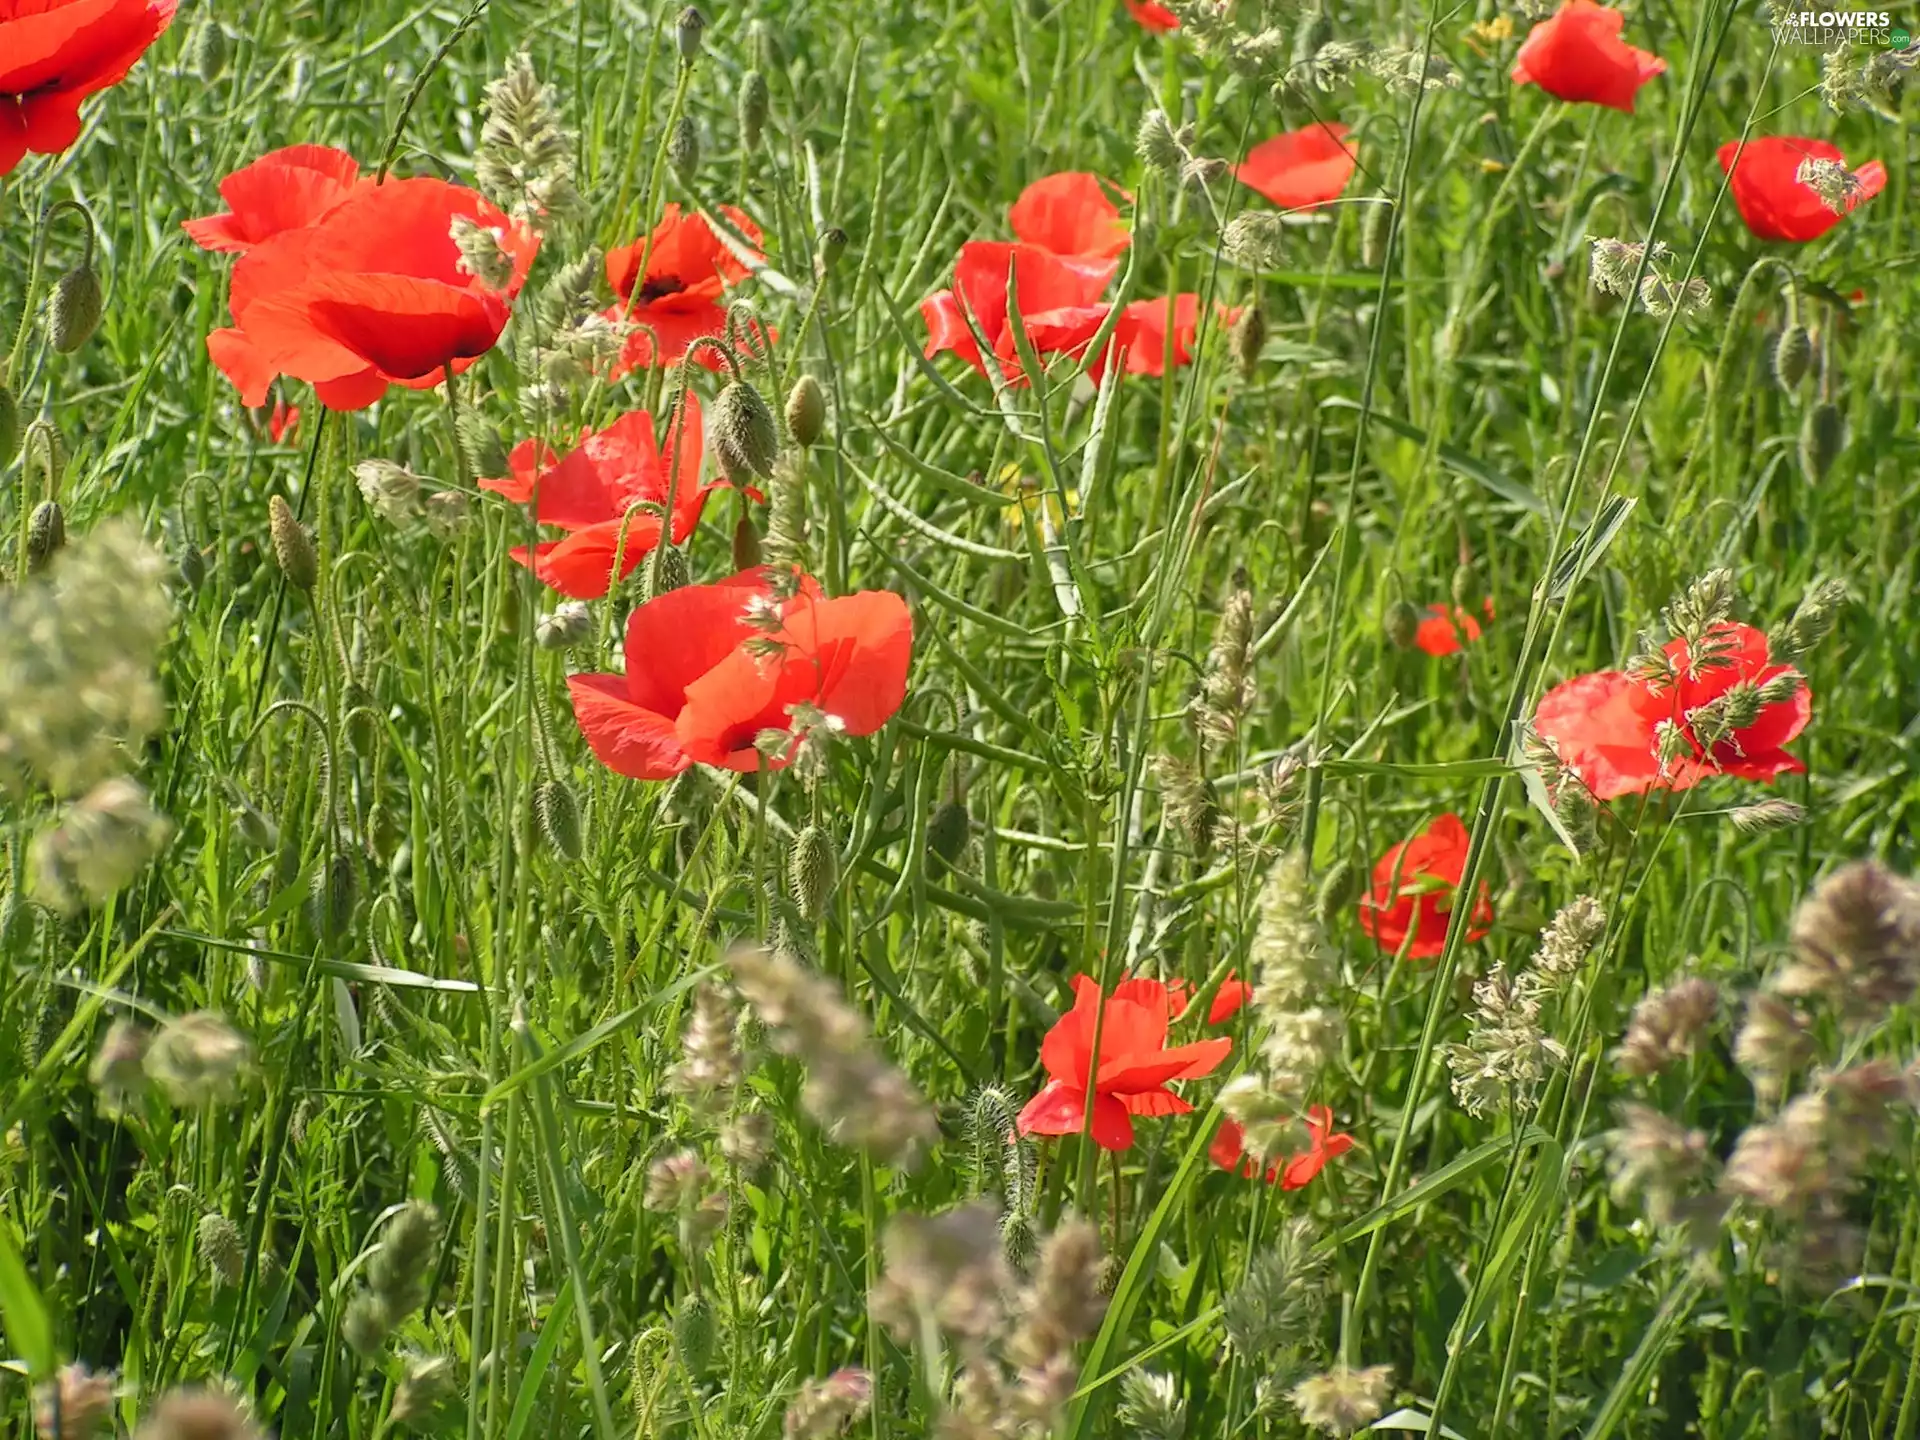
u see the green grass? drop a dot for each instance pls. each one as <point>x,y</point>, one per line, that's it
<point>1471,401</point>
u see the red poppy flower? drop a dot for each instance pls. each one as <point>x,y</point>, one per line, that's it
<point>1229,1151</point>
<point>1154,16</point>
<point>1301,169</point>
<point>629,720</point>
<point>54,54</point>
<point>590,491</point>
<point>288,189</point>
<point>1069,214</point>
<point>1448,629</point>
<point>1606,728</point>
<point>688,268</point>
<point>1227,1000</point>
<point>284,420</point>
<point>1578,55</point>
<point>1058,297</point>
<point>372,295</point>
<point>1767,189</point>
<point>1413,892</point>
<point>1135,1066</point>
<point>845,658</point>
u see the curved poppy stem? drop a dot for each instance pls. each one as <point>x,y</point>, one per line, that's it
<point>18,351</point>
<point>419,86</point>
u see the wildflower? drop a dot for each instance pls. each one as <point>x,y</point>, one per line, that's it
<point>1069,214</point>
<point>1153,16</point>
<point>1060,292</point>
<point>1296,1172</point>
<point>830,1407</point>
<point>525,160</point>
<point>1507,1053</point>
<point>945,1269</point>
<point>57,53</point>
<point>1776,203</point>
<point>1064,1304</point>
<point>373,293</point>
<point>1772,1043</point>
<point>609,494</point>
<point>283,190</point>
<point>1578,56</point>
<point>1662,297</point>
<point>197,1414</point>
<point>1413,892</point>
<point>1652,1156</point>
<point>119,1069</point>
<point>98,847</point>
<point>1300,169</point>
<point>1568,938</point>
<point>709,1059</point>
<point>1150,1406</point>
<point>1856,943</point>
<point>1341,1401</point>
<point>1449,629</point>
<point>1665,1025</point>
<point>677,300</point>
<point>1725,705</point>
<point>676,1182</point>
<point>851,1090</point>
<point>197,1059</point>
<point>1147,334</point>
<point>1133,1069</point>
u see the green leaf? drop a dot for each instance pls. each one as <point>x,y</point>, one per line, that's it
<point>29,1330</point>
<point>1447,1177</point>
<point>1539,1203</point>
<point>1577,562</point>
<point>1458,461</point>
<point>552,1331</point>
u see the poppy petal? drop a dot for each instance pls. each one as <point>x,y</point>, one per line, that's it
<point>628,739</point>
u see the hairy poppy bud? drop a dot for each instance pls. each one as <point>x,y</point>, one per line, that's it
<point>833,244</point>
<point>1249,337</point>
<point>683,147</point>
<point>672,574</point>
<point>569,624</point>
<point>746,544</point>
<point>74,310</point>
<point>251,823</point>
<point>366,1325</point>
<point>363,718</point>
<point>208,52</point>
<point>687,32</point>
<point>1402,623</point>
<point>806,411</point>
<point>811,872</point>
<point>1792,356</point>
<point>191,563</point>
<point>744,437</point>
<point>558,814</point>
<point>947,831</point>
<point>293,546</point>
<point>222,1248</point>
<point>336,896</point>
<point>9,424</point>
<point>753,104</point>
<point>1339,889</point>
<point>693,1334</point>
<point>1374,221</point>
<point>1468,592</point>
<point>46,533</point>
<point>1823,435</point>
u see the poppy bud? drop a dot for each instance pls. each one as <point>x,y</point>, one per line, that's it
<point>811,872</point>
<point>253,824</point>
<point>746,544</point>
<point>693,1334</point>
<point>672,574</point>
<point>480,443</point>
<point>558,814</point>
<point>753,102</point>
<point>208,52</point>
<point>1792,356</point>
<point>74,310</point>
<point>947,831</point>
<point>363,719</point>
<point>9,424</point>
<point>683,147</point>
<point>191,564</point>
<point>687,32</point>
<point>336,896</point>
<point>1823,435</point>
<point>1339,889</point>
<point>1468,592</point>
<point>1373,232</point>
<point>1402,623</point>
<point>833,244</point>
<point>293,546</point>
<point>366,1325</point>
<point>46,533</point>
<point>569,624</point>
<point>1249,337</point>
<point>806,411</point>
<point>744,437</point>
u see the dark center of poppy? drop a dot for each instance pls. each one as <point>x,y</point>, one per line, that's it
<point>660,285</point>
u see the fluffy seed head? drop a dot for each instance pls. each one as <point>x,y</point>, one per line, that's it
<point>1774,1041</point>
<point>1856,942</point>
<point>1666,1024</point>
<point>119,1069</point>
<point>198,1059</point>
<point>811,872</point>
<point>197,1414</point>
<point>78,1398</point>
<point>429,1383</point>
<point>99,846</point>
<point>222,1248</point>
<point>1341,1401</point>
<point>830,1407</point>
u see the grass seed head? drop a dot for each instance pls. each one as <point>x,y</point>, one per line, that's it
<point>1248,338</point>
<point>1774,1041</point>
<point>429,1383</point>
<point>293,547</point>
<point>222,1248</point>
<point>1856,943</point>
<point>1341,1401</point>
<point>197,1414</point>
<point>812,872</point>
<point>119,1068</point>
<point>1666,1025</point>
<point>367,1323</point>
<point>99,847</point>
<point>73,1405</point>
<point>827,1408</point>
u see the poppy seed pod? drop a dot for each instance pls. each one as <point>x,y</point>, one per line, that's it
<point>1792,356</point>
<point>46,533</point>
<point>753,103</point>
<point>683,147</point>
<point>558,815</point>
<point>744,437</point>
<point>812,872</point>
<point>947,831</point>
<point>1249,337</point>
<point>292,546</point>
<point>1402,623</point>
<point>208,52</point>
<point>693,1334</point>
<point>746,544</point>
<point>806,411</point>
<point>1823,435</point>
<point>74,311</point>
<point>687,32</point>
